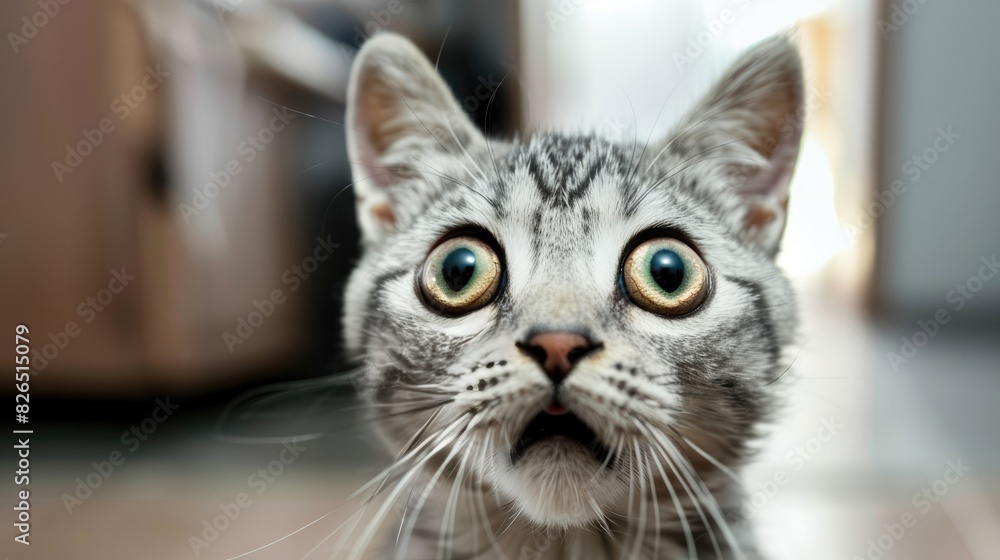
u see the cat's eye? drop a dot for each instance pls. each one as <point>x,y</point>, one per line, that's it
<point>665,276</point>
<point>460,275</point>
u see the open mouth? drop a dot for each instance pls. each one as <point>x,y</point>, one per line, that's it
<point>565,425</point>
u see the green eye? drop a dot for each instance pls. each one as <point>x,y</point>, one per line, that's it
<point>665,276</point>
<point>460,275</point>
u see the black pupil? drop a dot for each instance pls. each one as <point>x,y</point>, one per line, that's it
<point>458,268</point>
<point>667,269</point>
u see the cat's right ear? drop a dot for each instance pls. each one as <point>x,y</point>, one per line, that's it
<point>753,116</point>
<point>398,107</point>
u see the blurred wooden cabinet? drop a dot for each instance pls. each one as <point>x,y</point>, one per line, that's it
<point>120,122</point>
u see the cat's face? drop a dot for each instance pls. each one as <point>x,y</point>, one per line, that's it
<point>563,319</point>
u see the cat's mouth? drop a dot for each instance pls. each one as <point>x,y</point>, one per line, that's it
<point>563,426</point>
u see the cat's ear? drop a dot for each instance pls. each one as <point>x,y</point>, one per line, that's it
<point>398,107</point>
<point>756,113</point>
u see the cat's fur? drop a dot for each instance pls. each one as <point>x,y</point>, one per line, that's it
<point>453,393</point>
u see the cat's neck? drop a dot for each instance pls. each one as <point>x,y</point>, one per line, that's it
<point>462,530</point>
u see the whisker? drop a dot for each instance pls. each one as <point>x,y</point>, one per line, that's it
<point>656,507</point>
<point>366,537</point>
<point>640,534</point>
<point>402,518</point>
<point>326,212</point>
<point>441,48</point>
<point>692,550</point>
<point>607,459</point>
<point>448,521</point>
<point>635,129</point>
<point>287,108</point>
<point>631,492</point>
<point>726,470</point>
<point>708,118</point>
<point>653,128</point>
<point>482,174</point>
<point>652,187</point>
<point>424,125</point>
<point>395,404</point>
<point>670,172</point>
<point>422,498</point>
<point>387,473</point>
<point>449,178</point>
<point>389,170</point>
<point>710,503</point>
<point>490,535</point>
<point>486,120</point>
<point>783,372</point>
<point>356,493</point>
<point>276,541</point>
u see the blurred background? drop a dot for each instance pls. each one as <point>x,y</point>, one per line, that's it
<point>176,226</point>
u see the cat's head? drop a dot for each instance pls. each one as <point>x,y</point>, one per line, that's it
<point>566,315</point>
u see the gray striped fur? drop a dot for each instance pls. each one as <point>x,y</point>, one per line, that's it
<point>563,208</point>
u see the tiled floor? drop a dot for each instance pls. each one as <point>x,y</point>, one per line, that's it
<point>901,431</point>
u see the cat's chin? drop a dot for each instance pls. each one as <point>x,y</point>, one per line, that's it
<point>553,484</point>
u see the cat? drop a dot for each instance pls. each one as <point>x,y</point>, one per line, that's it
<point>569,342</point>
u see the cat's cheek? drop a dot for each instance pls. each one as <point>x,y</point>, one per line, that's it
<point>467,325</point>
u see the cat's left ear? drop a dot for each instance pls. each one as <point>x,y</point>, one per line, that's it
<point>754,113</point>
<point>398,108</point>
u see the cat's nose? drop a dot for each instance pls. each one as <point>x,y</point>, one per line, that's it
<point>558,352</point>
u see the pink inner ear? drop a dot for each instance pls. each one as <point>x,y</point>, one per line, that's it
<point>758,217</point>
<point>772,181</point>
<point>383,212</point>
<point>368,157</point>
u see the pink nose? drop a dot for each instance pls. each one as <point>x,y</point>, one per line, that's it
<point>557,352</point>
